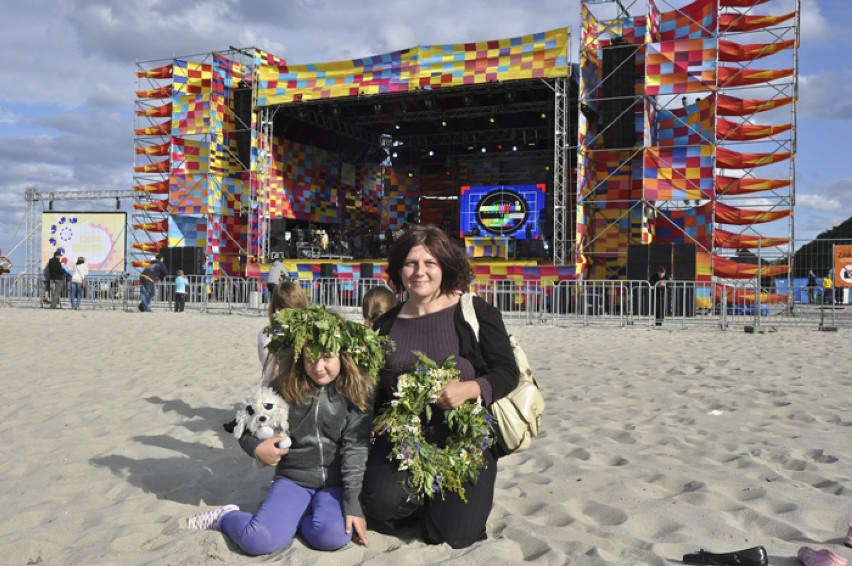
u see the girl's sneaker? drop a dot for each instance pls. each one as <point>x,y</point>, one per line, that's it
<point>209,520</point>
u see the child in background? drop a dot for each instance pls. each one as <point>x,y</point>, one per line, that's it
<point>317,481</point>
<point>376,302</point>
<point>181,283</point>
<point>287,295</point>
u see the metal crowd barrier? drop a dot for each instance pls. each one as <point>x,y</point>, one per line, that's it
<point>686,304</point>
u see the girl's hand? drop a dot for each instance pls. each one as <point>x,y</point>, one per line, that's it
<point>456,393</point>
<point>268,454</point>
<point>360,526</point>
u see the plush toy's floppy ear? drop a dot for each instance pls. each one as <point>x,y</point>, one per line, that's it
<point>242,421</point>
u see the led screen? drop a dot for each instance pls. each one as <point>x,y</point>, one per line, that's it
<point>502,210</point>
<point>100,237</point>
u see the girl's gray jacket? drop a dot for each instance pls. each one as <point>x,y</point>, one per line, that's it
<point>330,441</point>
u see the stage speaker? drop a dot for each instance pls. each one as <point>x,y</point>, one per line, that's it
<point>683,262</point>
<point>327,270</point>
<point>190,260</point>
<point>659,254</point>
<point>618,90</point>
<point>242,127</point>
<point>637,262</point>
<point>366,271</point>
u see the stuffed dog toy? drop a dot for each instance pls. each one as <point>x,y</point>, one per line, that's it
<point>264,415</point>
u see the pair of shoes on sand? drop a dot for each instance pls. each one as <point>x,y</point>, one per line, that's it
<point>209,520</point>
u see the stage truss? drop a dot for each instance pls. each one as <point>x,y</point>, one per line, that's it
<point>686,134</point>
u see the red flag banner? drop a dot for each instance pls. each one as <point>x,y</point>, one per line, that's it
<point>740,186</point>
<point>733,106</point>
<point>164,72</point>
<point>727,130</point>
<point>742,22</point>
<point>740,216</point>
<point>160,92</point>
<point>732,52</point>
<point>736,76</point>
<point>725,239</point>
<point>727,159</point>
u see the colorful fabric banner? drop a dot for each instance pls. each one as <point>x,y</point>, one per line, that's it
<point>693,21</point>
<point>540,55</point>
<point>679,67</point>
<point>678,173</point>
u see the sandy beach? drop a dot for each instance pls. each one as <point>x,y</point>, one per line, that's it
<point>656,443</point>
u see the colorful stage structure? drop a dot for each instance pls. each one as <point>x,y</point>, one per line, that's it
<point>233,145</point>
<point>683,115</point>
<point>686,139</point>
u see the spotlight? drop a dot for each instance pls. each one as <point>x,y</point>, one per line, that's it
<point>543,115</point>
<point>514,148</point>
<point>483,150</point>
<point>491,119</point>
<point>396,126</point>
<point>444,123</point>
<point>411,173</point>
<point>431,153</point>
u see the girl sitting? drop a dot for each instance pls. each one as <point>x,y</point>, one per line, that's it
<point>317,481</point>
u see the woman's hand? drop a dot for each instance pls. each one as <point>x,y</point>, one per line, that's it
<point>360,526</point>
<point>456,393</point>
<point>268,454</point>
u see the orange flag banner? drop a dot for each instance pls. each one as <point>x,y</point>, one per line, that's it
<point>732,106</point>
<point>745,185</point>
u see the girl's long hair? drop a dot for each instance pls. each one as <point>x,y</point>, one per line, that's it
<point>296,386</point>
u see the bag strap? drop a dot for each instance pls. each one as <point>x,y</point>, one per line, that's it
<point>469,312</point>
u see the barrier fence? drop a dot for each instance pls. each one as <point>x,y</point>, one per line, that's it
<point>679,304</point>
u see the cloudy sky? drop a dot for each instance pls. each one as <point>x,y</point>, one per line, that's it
<point>67,94</point>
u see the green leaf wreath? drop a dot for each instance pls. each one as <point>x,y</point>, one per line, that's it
<point>434,470</point>
<point>319,331</point>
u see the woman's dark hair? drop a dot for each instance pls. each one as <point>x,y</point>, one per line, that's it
<point>456,272</point>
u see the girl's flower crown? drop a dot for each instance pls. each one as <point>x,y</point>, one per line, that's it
<point>319,332</point>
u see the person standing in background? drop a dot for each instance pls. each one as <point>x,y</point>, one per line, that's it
<point>812,285</point>
<point>658,283</point>
<point>274,275</point>
<point>155,271</point>
<point>181,283</point>
<point>78,279</point>
<point>57,276</point>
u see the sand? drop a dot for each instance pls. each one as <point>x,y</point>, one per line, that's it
<point>656,443</point>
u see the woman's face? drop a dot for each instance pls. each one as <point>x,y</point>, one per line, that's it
<point>323,371</point>
<point>421,273</point>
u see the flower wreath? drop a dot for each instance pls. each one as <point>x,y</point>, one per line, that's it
<point>433,469</point>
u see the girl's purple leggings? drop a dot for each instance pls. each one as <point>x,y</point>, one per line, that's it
<point>288,508</point>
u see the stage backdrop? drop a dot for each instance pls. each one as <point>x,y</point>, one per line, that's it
<point>100,237</point>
